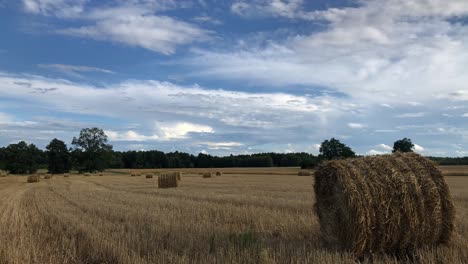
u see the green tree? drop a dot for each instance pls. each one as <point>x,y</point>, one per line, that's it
<point>403,145</point>
<point>22,158</point>
<point>91,151</point>
<point>58,157</point>
<point>334,149</point>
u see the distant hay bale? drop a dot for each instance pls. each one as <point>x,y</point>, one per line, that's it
<point>207,175</point>
<point>304,173</point>
<point>87,174</point>
<point>168,180</point>
<point>389,204</point>
<point>149,175</point>
<point>218,173</point>
<point>3,173</point>
<point>34,178</point>
<point>66,175</point>
<point>101,174</point>
<point>48,176</point>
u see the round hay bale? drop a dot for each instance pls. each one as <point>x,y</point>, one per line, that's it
<point>207,175</point>
<point>47,176</point>
<point>149,175</point>
<point>66,175</point>
<point>87,174</point>
<point>218,173</point>
<point>168,180</point>
<point>303,173</point>
<point>33,178</point>
<point>388,204</point>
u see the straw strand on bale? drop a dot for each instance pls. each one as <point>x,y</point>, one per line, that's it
<point>391,203</point>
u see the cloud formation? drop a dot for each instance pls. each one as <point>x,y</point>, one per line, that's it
<point>413,52</point>
<point>134,23</point>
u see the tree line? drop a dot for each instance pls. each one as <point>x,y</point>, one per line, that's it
<point>90,152</point>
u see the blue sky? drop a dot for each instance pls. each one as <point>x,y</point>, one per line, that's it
<point>226,77</point>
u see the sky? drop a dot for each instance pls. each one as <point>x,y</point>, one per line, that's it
<point>238,77</point>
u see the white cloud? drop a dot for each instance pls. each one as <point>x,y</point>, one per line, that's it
<point>385,147</point>
<point>207,19</point>
<point>410,115</point>
<point>413,52</point>
<point>380,149</point>
<point>181,130</point>
<point>74,69</point>
<point>375,152</point>
<point>220,145</point>
<point>134,23</point>
<point>465,115</point>
<point>418,148</point>
<point>279,8</point>
<point>356,125</point>
<point>128,136</point>
<point>60,8</point>
<point>157,33</point>
<point>173,114</point>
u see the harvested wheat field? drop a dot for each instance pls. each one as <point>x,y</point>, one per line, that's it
<point>236,218</point>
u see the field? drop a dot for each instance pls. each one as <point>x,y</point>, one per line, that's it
<point>244,216</point>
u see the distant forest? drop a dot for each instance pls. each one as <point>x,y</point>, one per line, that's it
<point>90,152</point>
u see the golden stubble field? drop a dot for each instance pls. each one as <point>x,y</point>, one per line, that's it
<point>243,216</point>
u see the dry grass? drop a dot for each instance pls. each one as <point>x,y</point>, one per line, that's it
<point>237,218</point>
<point>304,173</point>
<point>454,170</point>
<point>48,176</point>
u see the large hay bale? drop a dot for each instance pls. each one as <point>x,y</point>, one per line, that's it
<point>168,180</point>
<point>34,178</point>
<point>218,173</point>
<point>207,175</point>
<point>388,204</point>
<point>303,173</point>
